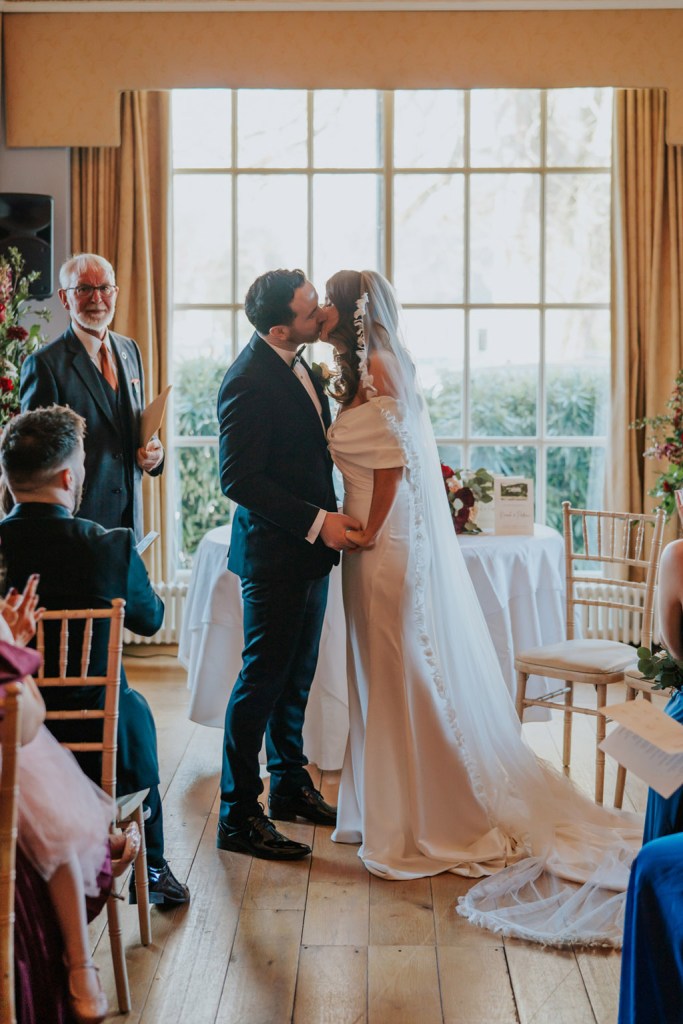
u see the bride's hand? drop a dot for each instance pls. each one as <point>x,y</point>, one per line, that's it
<point>361,538</point>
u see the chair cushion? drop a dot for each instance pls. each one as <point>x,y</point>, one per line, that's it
<point>591,657</point>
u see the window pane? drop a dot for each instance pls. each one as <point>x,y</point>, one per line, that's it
<point>271,128</point>
<point>505,238</point>
<point>451,454</point>
<point>202,232</point>
<point>205,332</point>
<point>577,371</point>
<point>577,238</point>
<point>504,358</point>
<point>429,128</point>
<point>201,127</point>
<point>436,339</point>
<point>197,381</point>
<point>505,128</point>
<point>271,225</point>
<point>579,127</point>
<point>576,475</point>
<point>202,506</point>
<point>428,237</point>
<point>511,460</point>
<point>347,128</point>
<point>346,224</point>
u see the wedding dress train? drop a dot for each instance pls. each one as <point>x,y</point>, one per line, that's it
<point>437,775</point>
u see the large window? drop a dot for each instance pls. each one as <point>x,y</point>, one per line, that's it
<point>488,209</point>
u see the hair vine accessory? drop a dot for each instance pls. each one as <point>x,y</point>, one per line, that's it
<point>358,316</point>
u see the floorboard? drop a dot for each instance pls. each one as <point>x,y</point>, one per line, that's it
<point>321,941</point>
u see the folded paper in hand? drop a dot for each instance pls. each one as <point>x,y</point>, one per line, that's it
<point>152,416</point>
<point>646,742</point>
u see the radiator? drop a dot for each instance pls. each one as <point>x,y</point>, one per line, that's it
<point>612,623</point>
<point>173,595</point>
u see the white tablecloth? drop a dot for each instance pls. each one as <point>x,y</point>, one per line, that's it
<point>519,582</point>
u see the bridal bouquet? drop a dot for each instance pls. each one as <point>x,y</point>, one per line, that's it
<point>16,341</point>
<point>666,442</point>
<point>465,490</point>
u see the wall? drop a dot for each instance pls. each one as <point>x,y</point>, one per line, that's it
<point>83,61</point>
<point>45,171</point>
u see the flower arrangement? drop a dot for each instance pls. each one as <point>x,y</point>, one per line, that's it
<point>16,341</point>
<point>666,442</point>
<point>465,489</point>
<point>666,670</point>
<point>323,372</point>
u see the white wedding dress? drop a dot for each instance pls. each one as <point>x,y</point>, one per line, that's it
<point>437,776</point>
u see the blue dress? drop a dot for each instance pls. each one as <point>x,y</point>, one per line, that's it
<point>664,817</point>
<point>651,990</point>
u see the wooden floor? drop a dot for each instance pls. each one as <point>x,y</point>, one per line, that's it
<point>321,941</point>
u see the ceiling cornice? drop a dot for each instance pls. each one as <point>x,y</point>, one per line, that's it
<point>227,6</point>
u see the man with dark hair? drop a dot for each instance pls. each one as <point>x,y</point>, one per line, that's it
<point>82,565</point>
<point>286,536</point>
<point>99,374</point>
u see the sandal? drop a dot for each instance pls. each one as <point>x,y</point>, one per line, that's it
<point>86,997</point>
<point>129,850</point>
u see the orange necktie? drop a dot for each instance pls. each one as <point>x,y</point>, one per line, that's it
<point>107,368</point>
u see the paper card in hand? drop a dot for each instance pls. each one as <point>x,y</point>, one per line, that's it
<point>152,416</point>
<point>17,662</point>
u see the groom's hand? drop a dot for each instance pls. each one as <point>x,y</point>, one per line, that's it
<point>333,532</point>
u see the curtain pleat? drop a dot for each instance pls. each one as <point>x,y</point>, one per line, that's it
<point>120,209</point>
<point>647,289</point>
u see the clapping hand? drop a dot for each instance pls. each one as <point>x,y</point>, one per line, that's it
<point>21,611</point>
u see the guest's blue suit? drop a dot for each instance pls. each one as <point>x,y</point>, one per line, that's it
<point>663,816</point>
<point>62,373</point>
<point>651,989</point>
<point>275,465</point>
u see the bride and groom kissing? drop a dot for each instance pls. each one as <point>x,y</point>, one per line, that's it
<point>437,776</point>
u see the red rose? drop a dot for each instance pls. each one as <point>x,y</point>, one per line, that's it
<point>6,384</point>
<point>466,497</point>
<point>17,333</point>
<point>3,314</point>
<point>666,486</point>
<point>446,471</point>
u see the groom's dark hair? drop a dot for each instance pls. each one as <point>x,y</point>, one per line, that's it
<point>268,301</point>
<point>35,444</point>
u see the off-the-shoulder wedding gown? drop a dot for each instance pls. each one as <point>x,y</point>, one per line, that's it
<point>437,776</point>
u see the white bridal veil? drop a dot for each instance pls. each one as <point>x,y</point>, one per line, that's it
<point>572,858</point>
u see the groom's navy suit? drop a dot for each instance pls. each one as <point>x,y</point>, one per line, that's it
<point>275,465</point>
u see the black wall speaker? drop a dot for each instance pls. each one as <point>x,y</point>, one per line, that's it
<point>26,224</point>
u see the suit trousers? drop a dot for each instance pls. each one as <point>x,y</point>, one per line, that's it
<point>283,621</point>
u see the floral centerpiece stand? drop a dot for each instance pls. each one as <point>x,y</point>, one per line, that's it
<point>16,340</point>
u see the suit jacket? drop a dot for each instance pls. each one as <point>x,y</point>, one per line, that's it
<point>82,565</point>
<point>275,464</point>
<point>63,373</point>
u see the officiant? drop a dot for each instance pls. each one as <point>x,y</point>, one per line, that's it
<point>99,375</point>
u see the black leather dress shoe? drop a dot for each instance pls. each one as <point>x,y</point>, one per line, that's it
<point>259,838</point>
<point>164,888</point>
<point>305,803</point>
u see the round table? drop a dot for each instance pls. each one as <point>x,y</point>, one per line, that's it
<point>519,582</point>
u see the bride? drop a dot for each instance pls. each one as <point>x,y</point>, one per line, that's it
<point>437,776</point>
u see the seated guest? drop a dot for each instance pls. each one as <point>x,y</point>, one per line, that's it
<point>664,816</point>
<point>82,565</point>
<point>65,843</point>
<point>651,990</point>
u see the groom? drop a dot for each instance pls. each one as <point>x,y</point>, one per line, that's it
<point>286,536</point>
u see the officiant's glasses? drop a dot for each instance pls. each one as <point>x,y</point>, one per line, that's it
<point>85,291</point>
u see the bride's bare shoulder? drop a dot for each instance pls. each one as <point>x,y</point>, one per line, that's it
<point>383,368</point>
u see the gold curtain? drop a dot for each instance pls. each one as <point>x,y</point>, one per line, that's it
<point>647,288</point>
<point>120,209</point>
